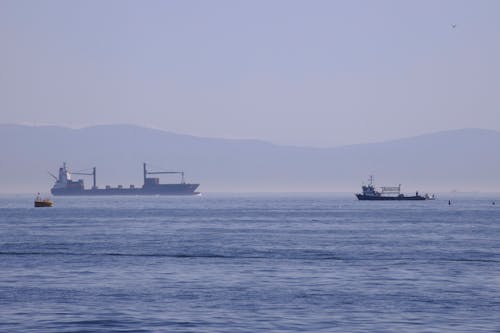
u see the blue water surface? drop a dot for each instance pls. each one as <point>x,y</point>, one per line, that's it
<point>249,263</point>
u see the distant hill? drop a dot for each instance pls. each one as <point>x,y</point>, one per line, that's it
<point>463,160</point>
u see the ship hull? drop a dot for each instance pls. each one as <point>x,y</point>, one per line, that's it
<point>390,198</point>
<point>163,189</point>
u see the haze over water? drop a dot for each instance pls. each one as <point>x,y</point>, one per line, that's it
<point>248,263</point>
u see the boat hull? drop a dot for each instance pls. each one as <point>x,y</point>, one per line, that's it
<point>390,198</point>
<point>163,189</point>
<point>43,203</point>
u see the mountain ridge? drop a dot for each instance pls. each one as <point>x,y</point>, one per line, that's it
<point>463,159</point>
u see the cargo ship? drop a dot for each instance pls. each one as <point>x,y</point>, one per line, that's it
<point>64,185</point>
<point>388,193</point>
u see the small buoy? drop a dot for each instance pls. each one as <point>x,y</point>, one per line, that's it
<point>493,203</point>
<point>449,202</point>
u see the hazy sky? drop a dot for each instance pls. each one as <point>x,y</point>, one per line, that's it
<point>313,72</point>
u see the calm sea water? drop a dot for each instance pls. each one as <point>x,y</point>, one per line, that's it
<point>249,263</point>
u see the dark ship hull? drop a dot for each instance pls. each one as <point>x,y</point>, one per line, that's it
<point>389,198</point>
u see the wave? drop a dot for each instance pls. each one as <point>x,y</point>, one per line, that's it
<point>272,256</point>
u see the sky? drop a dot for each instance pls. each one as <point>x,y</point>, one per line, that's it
<point>307,73</point>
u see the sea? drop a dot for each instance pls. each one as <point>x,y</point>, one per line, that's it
<point>250,263</point>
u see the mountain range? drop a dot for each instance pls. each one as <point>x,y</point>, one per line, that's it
<point>461,160</point>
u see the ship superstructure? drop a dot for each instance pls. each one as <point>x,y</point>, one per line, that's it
<point>64,185</point>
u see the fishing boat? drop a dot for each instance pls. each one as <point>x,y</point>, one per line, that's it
<point>388,193</point>
<point>39,202</point>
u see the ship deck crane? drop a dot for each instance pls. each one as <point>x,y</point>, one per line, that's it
<point>93,174</point>
<point>146,173</point>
